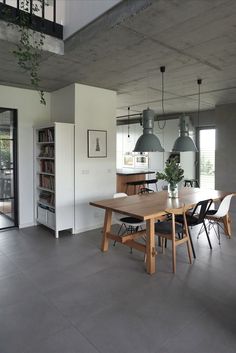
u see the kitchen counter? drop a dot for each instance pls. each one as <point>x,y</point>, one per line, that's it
<point>130,171</point>
<point>123,176</point>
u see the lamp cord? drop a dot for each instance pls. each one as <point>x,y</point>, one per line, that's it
<point>199,81</point>
<point>128,121</point>
<point>162,69</point>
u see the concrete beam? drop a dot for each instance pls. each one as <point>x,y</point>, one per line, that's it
<point>10,33</point>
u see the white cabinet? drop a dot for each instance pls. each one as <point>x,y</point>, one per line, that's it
<point>54,176</point>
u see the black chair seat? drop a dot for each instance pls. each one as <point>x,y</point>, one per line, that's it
<point>131,220</point>
<point>191,220</point>
<point>151,181</point>
<point>211,212</point>
<point>166,227</point>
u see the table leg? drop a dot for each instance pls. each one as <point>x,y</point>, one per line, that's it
<point>150,247</point>
<point>106,229</point>
<point>227,225</point>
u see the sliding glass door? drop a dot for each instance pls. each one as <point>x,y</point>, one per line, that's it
<point>206,163</point>
<point>8,172</point>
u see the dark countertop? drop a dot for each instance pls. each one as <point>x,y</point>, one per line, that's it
<point>130,171</point>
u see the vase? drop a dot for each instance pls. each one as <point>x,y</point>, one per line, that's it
<point>173,191</point>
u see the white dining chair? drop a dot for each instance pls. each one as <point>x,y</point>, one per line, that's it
<point>215,217</point>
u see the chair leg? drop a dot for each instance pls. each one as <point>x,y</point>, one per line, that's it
<point>200,231</point>
<point>218,229</point>
<point>162,245</point>
<point>207,235</point>
<point>191,242</point>
<point>174,257</point>
<point>189,251</point>
<point>114,244</point>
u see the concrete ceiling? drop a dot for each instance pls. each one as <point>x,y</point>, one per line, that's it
<point>124,49</point>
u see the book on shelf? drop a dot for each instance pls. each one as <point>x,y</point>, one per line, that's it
<point>47,182</point>
<point>47,198</point>
<point>46,135</point>
<point>46,207</point>
<point>47,167</point>
<point>47,151</point>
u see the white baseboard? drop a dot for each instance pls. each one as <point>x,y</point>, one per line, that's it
<point>25,225</point>
<point>85,229</point>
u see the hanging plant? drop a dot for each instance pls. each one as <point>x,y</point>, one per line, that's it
<point>28,51</point>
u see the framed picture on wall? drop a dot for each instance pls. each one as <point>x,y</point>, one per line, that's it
<point>97,143</point>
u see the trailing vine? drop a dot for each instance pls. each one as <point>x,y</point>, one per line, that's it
<point>28,51</point>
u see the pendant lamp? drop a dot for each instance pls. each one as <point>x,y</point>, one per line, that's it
<point>148,142</point>
<point>184,143</point>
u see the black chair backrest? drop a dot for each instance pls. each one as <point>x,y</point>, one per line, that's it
<point>201,209</point>
<point>145,191</point>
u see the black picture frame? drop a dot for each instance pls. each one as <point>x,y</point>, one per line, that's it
<point>97,143</point>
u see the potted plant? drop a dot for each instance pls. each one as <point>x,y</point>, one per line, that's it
<point>173,174</point>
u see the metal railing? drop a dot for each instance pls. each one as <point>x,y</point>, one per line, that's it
<point>37,18</point>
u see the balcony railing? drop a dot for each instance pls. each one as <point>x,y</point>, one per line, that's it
<point>44,20</point>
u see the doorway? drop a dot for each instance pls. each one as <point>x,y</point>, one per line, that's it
<point>8,168</point>
<point>206,158</point>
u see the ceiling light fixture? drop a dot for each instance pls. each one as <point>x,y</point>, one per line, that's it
<point>128,121</point>
<point>162,69</point>
<point>184,143</point>
<point>148,142</point>
<point>199,82</point>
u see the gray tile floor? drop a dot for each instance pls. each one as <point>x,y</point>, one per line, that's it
<point>65,296</point>
<point>5,222</point>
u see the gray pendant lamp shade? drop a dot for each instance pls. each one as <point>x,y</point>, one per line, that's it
<point>184,143</point>
<point>148,142</point>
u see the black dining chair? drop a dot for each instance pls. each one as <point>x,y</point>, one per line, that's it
<point>195,217</point>
<point>145,191</point>
<point>128,225</point>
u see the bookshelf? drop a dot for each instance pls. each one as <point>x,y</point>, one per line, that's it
<point>54,176</point>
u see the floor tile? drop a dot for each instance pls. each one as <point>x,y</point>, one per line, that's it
<point>26,323</point>
<point>65,295</point>
<point>66,341</point>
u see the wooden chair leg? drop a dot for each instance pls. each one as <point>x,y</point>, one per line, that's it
<point>174,256</point>
<point>227,225</point>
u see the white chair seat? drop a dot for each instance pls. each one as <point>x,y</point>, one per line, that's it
<point>215,217</point>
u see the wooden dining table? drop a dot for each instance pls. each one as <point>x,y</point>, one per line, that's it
<point>150,208</point>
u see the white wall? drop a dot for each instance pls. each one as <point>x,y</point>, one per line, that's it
<point>95,178</point>
<point>30,112</point>
<point>63,104</point>
<point>225,167</point>
<point>75,14</point>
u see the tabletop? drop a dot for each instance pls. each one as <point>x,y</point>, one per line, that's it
<point>153,205</point>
